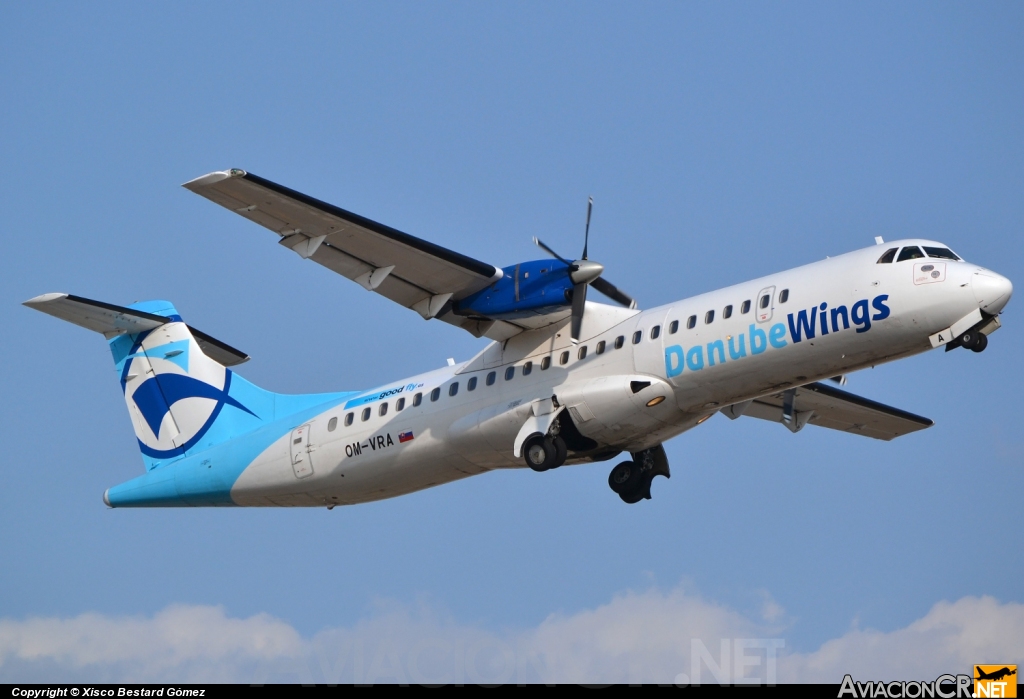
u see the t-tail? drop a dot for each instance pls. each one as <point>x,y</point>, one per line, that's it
<point>183,401</point>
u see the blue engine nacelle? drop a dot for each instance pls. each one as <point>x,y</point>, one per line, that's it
<point>526,289</point>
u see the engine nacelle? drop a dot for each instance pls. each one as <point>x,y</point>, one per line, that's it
<point>526,289</point>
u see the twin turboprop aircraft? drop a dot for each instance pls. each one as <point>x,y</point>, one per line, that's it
<point>564,380</point>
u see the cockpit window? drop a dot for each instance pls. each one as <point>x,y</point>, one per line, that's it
<point>911,252</point>
<point>941,253</point>
<point>888,257</point>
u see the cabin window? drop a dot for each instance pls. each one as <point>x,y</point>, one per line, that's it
<point>583,352</point>
<point>764,301</point>
<point>673,327</point>
<point>709,317</point>
<point>911,252</point>
<point>655,332</point>
<point>453,389</point>
<point>619,342</point>
<point>435,394</point>
<point>784,296</point>
<point>600,347</point>
<point>941,253</point>
<point>349,419</point>
<point>510,373</point>
<point>637,336</point>
<point>745,307</point>
<point>471,384</point>
<point>400,405</point>
<point>417,399</point>
<point>727,312</point>
<point>545,363</point>
<point>527,368</point>
<point>490,378</point>
<point>383,409</point>
<point>366,414</point>
<point>691,322</point>
<point>564,359</point>
<point>332,424</point>
<point>888,257</point>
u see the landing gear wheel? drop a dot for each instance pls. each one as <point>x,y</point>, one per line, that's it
<point>624,477</point>
<point>970,339</point>
<point>540,453</point>
<point>561,451</point>
<point>981,343</point>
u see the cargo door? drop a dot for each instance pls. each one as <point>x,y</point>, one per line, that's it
<point>301,451</point>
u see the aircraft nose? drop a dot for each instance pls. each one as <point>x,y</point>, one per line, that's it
<point>991,290</point>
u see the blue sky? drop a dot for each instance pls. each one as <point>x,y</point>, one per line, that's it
<point>720,142</point>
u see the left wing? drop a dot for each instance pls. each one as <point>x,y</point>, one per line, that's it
<point>825,406</point>
<point>408,270</point>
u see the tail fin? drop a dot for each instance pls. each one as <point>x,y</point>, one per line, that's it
<point>181,396</point>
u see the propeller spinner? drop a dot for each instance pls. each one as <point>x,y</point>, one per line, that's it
<point>584,273</point>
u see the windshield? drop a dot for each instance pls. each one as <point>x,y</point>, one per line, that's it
<point>941,253</point>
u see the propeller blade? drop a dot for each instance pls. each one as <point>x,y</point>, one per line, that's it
<point>579,300</point>
<point>537,241</point>
<point>612,292</point>
<point>586,232</point>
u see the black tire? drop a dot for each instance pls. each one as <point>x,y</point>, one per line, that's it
<point>539,453</point>
<point>624,477</point>
<point>561,451</point>
<point>981,344</point>
<point>969,339</point>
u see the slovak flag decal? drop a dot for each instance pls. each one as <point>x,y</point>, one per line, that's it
<point>404,437</point>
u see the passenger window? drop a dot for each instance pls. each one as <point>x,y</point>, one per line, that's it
<point>583,352</point>
<point>471,384</point>
<point>888,257</point>
<point>564,359</point>
<point>637,336</point>
<point>673,327</point>
<point>745,308</point>
<point>490,378</point>
<point>709,317</point>
<point>600,347</point>
<point>453,389</point>
<point>417,399</point>
<point>619,342</point>
<point>527,368</point>
<point>400,405</point>
<point>545,363</point>
<point>510,373</point>
<point>435,394</point>
<point>332,424</point>
<point>366,414</point>
<point>911,252</point>
<point>655,332</point>
<point>383,409</point>
<point>691,322</point>
<point>349,419</point>
<point>727,312</point>
<point>941,253</point>
<point>784,296</point>
<point>764,301</point>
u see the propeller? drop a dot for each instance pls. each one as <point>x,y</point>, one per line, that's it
<point>584,273</point>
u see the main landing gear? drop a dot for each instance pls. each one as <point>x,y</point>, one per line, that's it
<point>631,480</point>
<point>545,453</point>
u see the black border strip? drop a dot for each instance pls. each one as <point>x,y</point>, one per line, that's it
<point>223,346</point>
<point>475,266</point>
<point>867,403</point>
<point>118,309</point>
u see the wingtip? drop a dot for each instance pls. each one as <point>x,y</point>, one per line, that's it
<point>213,178</point>
<point>43,298</point>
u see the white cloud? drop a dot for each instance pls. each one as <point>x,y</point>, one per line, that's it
<point>652,636</point>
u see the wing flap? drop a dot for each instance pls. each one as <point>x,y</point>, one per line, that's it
<point>840,410</point>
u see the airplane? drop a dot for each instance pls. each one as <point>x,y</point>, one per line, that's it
<point>995,675</point>
<point>563,380</point>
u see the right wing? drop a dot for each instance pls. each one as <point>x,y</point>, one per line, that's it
<point>410,271</point>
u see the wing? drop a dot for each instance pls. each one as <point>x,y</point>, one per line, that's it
<point>824,406</point>
<point>412,272</point>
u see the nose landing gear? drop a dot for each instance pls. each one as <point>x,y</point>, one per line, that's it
<point>631,480</point>
<point>974,341</point>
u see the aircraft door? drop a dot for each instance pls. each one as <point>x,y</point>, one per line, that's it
<point>301,451</point>
<point>764,304</point>
<point>649,352</point>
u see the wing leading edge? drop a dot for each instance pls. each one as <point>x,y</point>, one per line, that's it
<point>410,271</point>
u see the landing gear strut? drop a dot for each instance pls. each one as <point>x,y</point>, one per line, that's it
<point>631,480</point>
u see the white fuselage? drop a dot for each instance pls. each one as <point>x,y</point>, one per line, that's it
<point>873,313</point>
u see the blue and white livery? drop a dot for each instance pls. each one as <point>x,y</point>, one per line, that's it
<point>564,380</point>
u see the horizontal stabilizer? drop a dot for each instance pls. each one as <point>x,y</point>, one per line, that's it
<point>111,320</point>
<point>822,405</point>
